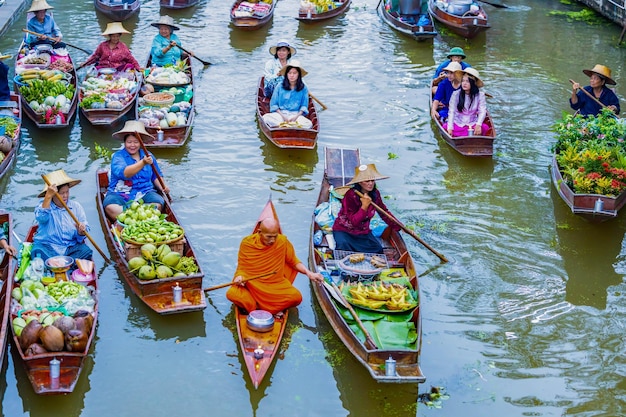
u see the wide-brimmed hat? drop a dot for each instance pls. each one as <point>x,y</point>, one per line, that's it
<point>366,173</point>
<point>453,67</point>
<point>39,5</point>
<point>113,28</point>
<point>167,21</point>
<point>293,64</point>
<point>602,71</point>
<point>456,51</point>
<point>133,126</point>
<point>282,44</point>
<point>474,73</point>
<point>58,178</point>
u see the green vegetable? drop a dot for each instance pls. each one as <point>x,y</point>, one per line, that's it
<point>10,125</point>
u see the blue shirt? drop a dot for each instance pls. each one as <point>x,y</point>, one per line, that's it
<point>587,106</point>
<point>445,64</point>
<point>127,188</point>
<point>444,92</point>
<point>290,100</point>
<point>48,28</point>
<point>56,226</point>
<point>170,57</point>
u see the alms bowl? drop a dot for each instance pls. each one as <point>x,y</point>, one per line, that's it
<point>59,263</point>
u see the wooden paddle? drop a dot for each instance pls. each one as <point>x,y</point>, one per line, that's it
<point>227,284</point>
<point>156,172</point>
<point>368,339</point>
<point>591,96</point>
<point>206,63</point>
<point>58,196</point>
<point>87,51</point>
<point>406,229</point>
<point>318,102</point>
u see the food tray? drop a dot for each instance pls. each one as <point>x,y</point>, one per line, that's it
<point>22,62</point>
<point>363,268</point>
<point>159,99</point>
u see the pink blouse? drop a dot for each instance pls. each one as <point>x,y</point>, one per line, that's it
<point>118,57</point>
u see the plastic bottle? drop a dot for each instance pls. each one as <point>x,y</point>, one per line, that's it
<point>37,267</point>
<point>318,237</point>
<point>188,93</point>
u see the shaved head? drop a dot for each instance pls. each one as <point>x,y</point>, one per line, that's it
<point>269,230</point>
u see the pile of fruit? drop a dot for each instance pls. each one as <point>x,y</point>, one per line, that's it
<point>317,6</point>
<point>381,296</point>
<point>138,211</point>
<point>161,262</point>
<point>154,231</point>
<point>102,91</point>
<point>29,75</point>
<point>173,75</point>
<point>43,95</point>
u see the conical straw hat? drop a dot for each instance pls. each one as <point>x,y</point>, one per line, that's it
<point>366,173</point>
<point>133,126</point>
<point>39,5</point>
<point>167,21</point>
<point>113,28</point>
<point>58,178</point>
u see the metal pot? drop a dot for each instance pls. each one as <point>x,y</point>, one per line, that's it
<point>260,321</point>
<point>459,7</point>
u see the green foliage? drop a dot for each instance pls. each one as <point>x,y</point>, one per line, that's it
<point>104,153</point>
<point>586,15</point>
<point>391,155</point>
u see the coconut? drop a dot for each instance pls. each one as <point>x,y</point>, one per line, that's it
<point>30,334</point>
<point>136,262</point>
<point>163,271</point>
<point>146,272</point>
<point>64,323</point>
<point>83,320</point>
<point>5,144</point>
<point>171,259</point>
<point>52,339</point>
<point>148,250</point>
<point>35,349</point>
<point>76,340</point>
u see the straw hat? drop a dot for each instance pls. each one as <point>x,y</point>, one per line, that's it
<point>113,28</point>
<point>292,64</point>
<point>133,126</point>
<point>456,51</point>
<point>167,21</point>
<point>282,44</point>
<point>474,73</point>
<point>58,178</point>
<point>602,71</point>
<point>39,5</point>
<point>366,173</point>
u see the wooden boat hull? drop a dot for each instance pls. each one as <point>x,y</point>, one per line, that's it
<point>157,293</point>
<point>419,33</point>
<point>11,156</point>
<point>116,11</point>
<point>339,170</point>
<point>6,276</point>
<point>287,137</point>
<point>467,26</point>
<point>584,205</point>
<point>38,366</point>
<point>107,117</point>
<point>249,340</point>
<point>250,22</point>
<point>316,17</point>
<point>178,4</point>
<point>477,146</point>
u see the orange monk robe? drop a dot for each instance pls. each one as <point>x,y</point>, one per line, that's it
<point>273,293</point>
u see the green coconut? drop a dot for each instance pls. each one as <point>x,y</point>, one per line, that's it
<point>136,262</point>
<point>148,250</point>
<point>163,271</point>
<point>146,272</point>
<point>171,259</point>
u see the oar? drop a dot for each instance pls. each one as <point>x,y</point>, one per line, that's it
<point>591,96</point>
<point>87,51</point>
<point>58,196</point>
<point>318,102</point>
<point>406,229</point>
<point>156,172</point>
<point>498,5</point>
<point>227,284</point>
<point>368,338</point>
<point>206,63</point>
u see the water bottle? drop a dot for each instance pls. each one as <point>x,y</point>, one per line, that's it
<point>37,268</point>
<point>188,93</point>
<point>317,237</point>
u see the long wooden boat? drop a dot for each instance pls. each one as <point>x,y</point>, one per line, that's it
<point>339,170</point>
<point>6,276</point>
<point>178,4</point>
<point>305,16</point>
<point>468,145</point>
<point>38,366</point>
<point>15,107</point>
<point>291,137</point>
<point>38,115</point>
<point>408,24</point>
<point>157,293</point>
<point>174,136</point>
<point>260,348</point>
<point>106,115</point>
<point>462,22</point>
<point>252,20</point>
<point>118,10</point>
<point>594,208</point>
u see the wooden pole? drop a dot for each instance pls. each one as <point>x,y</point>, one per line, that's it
<point>88,52</point>
<point>589,95</point>
<point>318,102</point>
<point>156,172</point>
<point>228,284</point>
<point>206,63</point>
<point>368,338</point>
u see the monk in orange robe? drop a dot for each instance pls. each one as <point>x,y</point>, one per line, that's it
<point>262,253</point>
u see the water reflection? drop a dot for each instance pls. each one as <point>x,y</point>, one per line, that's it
<point>463,171</point>
<point>248,41</point>
<point>291,164</point>
<point>311,32</point>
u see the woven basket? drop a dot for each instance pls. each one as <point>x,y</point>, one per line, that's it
<point>159,99</point>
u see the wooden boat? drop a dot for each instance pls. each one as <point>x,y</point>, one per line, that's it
<point>306,17</point>
<point>408,24</point>
<point>15,107</point>
<point>339,170</point>
<point>71,363</point>
<point>175,136</point>
<point>251,20</point>
<point>298,138</point>
<point>38,117</point>
<point>118,10</point>
<point>463,22</point>
<point>595,208</point>
<point>260,348</point>
<point>157,293</point>
<point>468,145</point>
<point>108,116</point>
<point>6,278</point>
<point>178,4</point>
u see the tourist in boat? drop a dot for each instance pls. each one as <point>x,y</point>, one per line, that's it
<point>164,46</point>
<point>441,99</point>
<point>290,100</point>
<point>43,24</point>
<point>112,53</point>
<point>262,253</point>
<point>132,176</point>
<point>467,108</point>
<point>282,53</point>
<point>57,232</point>
<point>351,229</point>
<point>5,91</point>
<point>4,243</point>
<point>599,78</point>
<point>456,54</point>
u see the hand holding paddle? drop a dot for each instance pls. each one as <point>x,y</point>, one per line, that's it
<point>42,36</point>
<point>591,96</point>
<point>154,170</point>
<point>228,284</point>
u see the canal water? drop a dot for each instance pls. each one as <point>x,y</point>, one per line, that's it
<point>526,319</point>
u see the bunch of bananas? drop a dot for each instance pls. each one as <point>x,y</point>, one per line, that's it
<point>39,74</point>
<point>379,295</point>
<point>355,258</point>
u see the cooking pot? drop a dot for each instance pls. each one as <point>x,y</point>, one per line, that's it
<point>260,321</point>
<point>459,7</point>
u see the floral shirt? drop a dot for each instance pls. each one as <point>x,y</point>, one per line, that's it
<point>117,58</point>
<point>127,188</point>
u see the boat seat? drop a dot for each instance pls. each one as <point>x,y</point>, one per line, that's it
<point>8,104</point>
